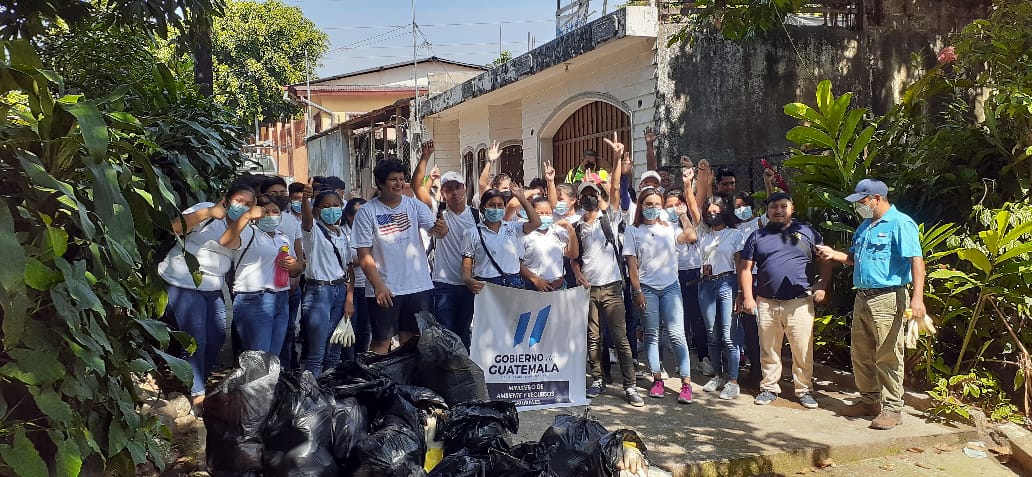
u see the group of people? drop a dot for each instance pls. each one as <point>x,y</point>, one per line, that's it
<point>695,267</point>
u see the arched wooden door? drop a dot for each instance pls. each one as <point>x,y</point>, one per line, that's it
<point>585,129</point>
<point>512,162</point>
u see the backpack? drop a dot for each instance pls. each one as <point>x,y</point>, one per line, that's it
<point>611,239</point>
<point>431,251</point>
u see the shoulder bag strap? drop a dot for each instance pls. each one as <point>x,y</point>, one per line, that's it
<point>248,247</point>
<point>607,230</point>
<point>340,261</point>
<point>488,252</point>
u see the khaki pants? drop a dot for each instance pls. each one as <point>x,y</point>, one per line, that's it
<point>877,348</point>
<point>606,304</point>
<point>778,319</point>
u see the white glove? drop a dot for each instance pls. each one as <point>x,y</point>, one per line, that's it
<point>916,326</point>
<point>344,334</point>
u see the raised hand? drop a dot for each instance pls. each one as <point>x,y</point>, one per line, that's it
<point>650,136</point>
<point>687,170</point>
<point>427,148</point>
<point>309,191</point>
<point>494,152</point>
<point>218,211</point>
<point>516,190</point>
<point>549,171</point>
<point>435,174</point>
<point>681,209</point>
<point>254,213</point>
<point>618,147</point>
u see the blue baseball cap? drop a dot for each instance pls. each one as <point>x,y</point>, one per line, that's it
<point>868,187</point>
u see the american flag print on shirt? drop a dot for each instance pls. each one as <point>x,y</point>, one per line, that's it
<point>390,224</point>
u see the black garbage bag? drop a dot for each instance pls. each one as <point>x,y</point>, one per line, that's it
<point>394,450</point>
<point>352,379</point>
<point>534,454</point>
<point>569,441</point>
<point>400,365</point>
<point>445,365</point>
<point>503,464</point>
<point>424,399</point>
<point>235,415</point>
<point>615,450</point>
<point>298,436</point>
<point>395,409</point>
<point>461,464</point>
<point>479,426</point>
<point>350,426</point>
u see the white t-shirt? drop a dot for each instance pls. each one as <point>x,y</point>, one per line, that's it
<point>360,279</point>
<point>393,236</point>
<point>202,242</point>
<point>506,247</point>
<point>256,264</point>
<point>600,265</point>
<point>322,261</point>
<point>752,225</point>
<point>291,227</point>
<point>543,252</point>
<point>448,254</point>
<point>572,219</point>
<point>718,248</point>
<point>655,246</point>
<point>688,256</point>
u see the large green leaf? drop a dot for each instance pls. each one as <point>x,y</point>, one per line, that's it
<point>12,255</point>
<point>33,367</point>
<point>68,461</point>
<point>22,457</point>
<point>806,135</point>
<point>52,405</point>
<point>114,211</point>
<point>156,329</point>
<point>1014,252</point>
<point>40,177</point>
<point>805,113</point>
<point>824,97</point>
<point>181,369</point>
<point>801,161</point>
<point>977,258</point>
<point>861,142</point>
<point>91,125</point>
<point>838,111</point>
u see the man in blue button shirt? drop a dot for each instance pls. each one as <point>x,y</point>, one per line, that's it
<point>886,253</point>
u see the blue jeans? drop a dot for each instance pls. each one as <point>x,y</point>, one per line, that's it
<point>201,314</point>
<point>717,299</point>
<point>665,304</point>
<point>321,311</point>
<point>453,308</point>
<point>260,319</point>
<point>694,325</point>
<point>288,356</point>
<point>360,324</point>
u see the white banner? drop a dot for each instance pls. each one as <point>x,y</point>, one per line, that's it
<point>532,345</point>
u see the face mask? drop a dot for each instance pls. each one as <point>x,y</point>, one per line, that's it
<point>523,214</point>
<point>651,213</point>
<point>269,223</point>
<point>589,203</point>
<point>331,215</point>
<point>235,210</point>
<point>589,165</point>
<point>864,211</point>
<point>281,201</point>
<point>295,205</point>
<point>546,222</point>
<point>494,215</point>
<point>562,207</point>
<point>713,220</point>
<point>744,212</point>
<point>673,215</point>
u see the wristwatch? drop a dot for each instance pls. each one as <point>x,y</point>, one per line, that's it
<point>636,292</point>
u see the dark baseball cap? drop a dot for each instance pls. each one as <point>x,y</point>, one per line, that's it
<point>778,196</point>
<point>590,153</point>
<point>868,187</point>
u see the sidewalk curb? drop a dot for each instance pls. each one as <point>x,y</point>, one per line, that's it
<point>802,460</point>
<point>1020,443</point>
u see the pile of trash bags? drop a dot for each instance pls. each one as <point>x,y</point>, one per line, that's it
<point>420,410</point>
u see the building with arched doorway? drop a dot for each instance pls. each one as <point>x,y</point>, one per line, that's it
<point>552,103</point>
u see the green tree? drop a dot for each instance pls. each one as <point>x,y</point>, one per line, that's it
<point>502,59</point>
<point>258,48</point>
<point>735,19</point>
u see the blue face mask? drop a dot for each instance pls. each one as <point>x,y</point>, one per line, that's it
<point>523,214</point>
<point>562,207</point>
<point>235,210</point>
<point>743,213</point>
<point>650,213</point>
<point>672,214</point>
<point>331,215</point>
<point>494,215</point>
<point>295,205</point>
<point>270,223</point>
<point>546,222</point>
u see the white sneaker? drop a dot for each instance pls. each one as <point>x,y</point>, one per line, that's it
<point>731,391</point>
<point>714,384</point>
<point>707,367</point>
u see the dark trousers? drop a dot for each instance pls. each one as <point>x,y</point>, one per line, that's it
<point>694,326</point>
<point>360,324</point>
<point>288,355</point>
<point>632,323</point>
<point>453,308</point>
<point>605,305</point>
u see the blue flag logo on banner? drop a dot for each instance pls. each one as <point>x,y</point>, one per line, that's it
<point>535,334</point>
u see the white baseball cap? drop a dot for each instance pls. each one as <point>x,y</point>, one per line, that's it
<point>650,175</point>
<point>452,176</point>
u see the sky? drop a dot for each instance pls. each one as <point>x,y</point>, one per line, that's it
<point>365,34</point>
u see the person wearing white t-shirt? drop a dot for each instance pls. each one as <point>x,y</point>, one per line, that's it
<point>276,188</point>
<point>392,255</point>
<point>491,251</point>
<point>650,247</point>
<point>260,305</point>
<point>720,244</point>
<point>452,299</point>
<point>329,288</point>
<point>689,269</point>
<point>196,302</point>
<point>546,248</point>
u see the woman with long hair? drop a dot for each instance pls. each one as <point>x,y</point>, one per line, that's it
<point>650,247</point>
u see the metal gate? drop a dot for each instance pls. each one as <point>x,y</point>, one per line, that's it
<point>585,129</point>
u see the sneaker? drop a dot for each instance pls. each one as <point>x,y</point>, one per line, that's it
<point>657,389</point>
<point>596,388</point>
<point>714,384</point>
<point>730,391</point>
<point>663,374</point>
<point>685,397</point>
<point>707,367</point>
<point>766,397</point>
<point>808,401</point>
<point>633,398</point>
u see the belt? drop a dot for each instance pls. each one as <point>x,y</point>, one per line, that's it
<point>710,278</point>
<point>326,282</point>
<point>871,292</point>
<point>267,290</point>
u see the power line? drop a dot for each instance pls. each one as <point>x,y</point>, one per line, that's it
<point>364,27</point>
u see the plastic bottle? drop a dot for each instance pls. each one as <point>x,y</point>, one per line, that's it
<point>282,276</point>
